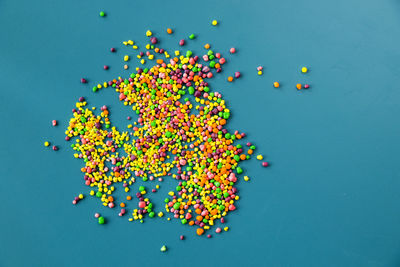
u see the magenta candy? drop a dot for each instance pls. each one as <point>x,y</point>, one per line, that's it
<point>265,164</point>
<point>112,49</point>
<point>83,80</point>
<point>182,237</point>
<point>181,42</point>
<point>106,67</point>
<point>237,74</point>
<point>306,86</point>
<point>153,40</point>
<point>55,148</point>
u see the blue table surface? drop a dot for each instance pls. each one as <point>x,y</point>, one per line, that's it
<point>331,195</point>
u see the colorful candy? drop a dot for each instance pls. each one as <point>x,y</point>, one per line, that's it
<point>180,126</point>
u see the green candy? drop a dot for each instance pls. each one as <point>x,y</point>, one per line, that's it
<point>188,53</point>
<point>98,194</point>
<point>163,249</point>
<point>101,220</point>
<point>102,14</point>
<point>236,157</point>
<point>168,134</point>
<point>176,206</point>
<point>152,214</point>
<point>141,188</point>
<point>239,170</point>
<point>192,36</point>
<point>191,90</point>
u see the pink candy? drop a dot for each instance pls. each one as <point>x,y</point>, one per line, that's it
<point>97,215</point>
<point>54,122</point>
<point>232,50</point>
<point>265,164</point>
<point>181,42</point>
<point>259,68</point>
<point>142,204</point>
<point>218,230</point>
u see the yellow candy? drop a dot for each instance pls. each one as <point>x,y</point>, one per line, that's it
<point>91,192</point>
<point>304,69</point>
<point>260,157</point>
<point>259,72</point>
<point>46,143</point>
<point>226,228</point>
<point>126,58</point>
<point>148,33</point>
<point>246,178</point>
<point>80,196</point>
<point>214,22</point>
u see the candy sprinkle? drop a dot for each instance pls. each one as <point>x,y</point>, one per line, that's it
<point>163,248</point>
<point>304,70</point>
<point>214,22</point>
<point>102,14</point>
<point>46,143</point>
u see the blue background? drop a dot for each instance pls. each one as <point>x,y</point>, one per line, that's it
<point>331,195</point>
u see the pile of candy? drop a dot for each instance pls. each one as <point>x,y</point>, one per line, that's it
<point>181,124</point>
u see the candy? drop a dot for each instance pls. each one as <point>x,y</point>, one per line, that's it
<point>276,84</point>
<point>232,50</point>
<point>214,22</point>
<point>106,67</point>
<point>180,124</point>
<point>182,237</point>
<point>230,79</point>
<point>246,178</point>
<point>298,86</point>
<point>163,248</point>
<point>306,86</point>
<point>102,14</point>
<point>101,220</point>
<point>46,143</point>
<point>304,70</point>
<point>97,215</point>
<point>83,80</point>
<point>259,157</point>
<point>265,164</point>
<point>169,31</point>
<point>182,42</point>
<point>192,36</point>
<point>55,148</point>
<point>113,49</point>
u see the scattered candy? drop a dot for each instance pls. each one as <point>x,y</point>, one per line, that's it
<point>304,70</point>
<point>182,237</point>
<point>106,67</point>
<point>298,86</point>
<point>97,215</point>
<point>230,79</point>
<point>181,124</point>
<point>232,50</point>
<point>265,164</point>
<point>55,148</point>
<point>163,248</point>
<point>246,178</point>
<point>276,84</point>
<point>113,49</point>
<point>102,14</point>
<point>192,36</point>
<point>46,143</point>
<point>83,80</point>
<point>259,157</point>
<point>214,22</point>
<point>306,86</point>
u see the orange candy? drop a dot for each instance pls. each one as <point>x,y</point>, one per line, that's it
<point>298,86</point>
<point>169,31</point>
<point>230,79</point>
<point>199,231</point>
<point>276,84</point>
